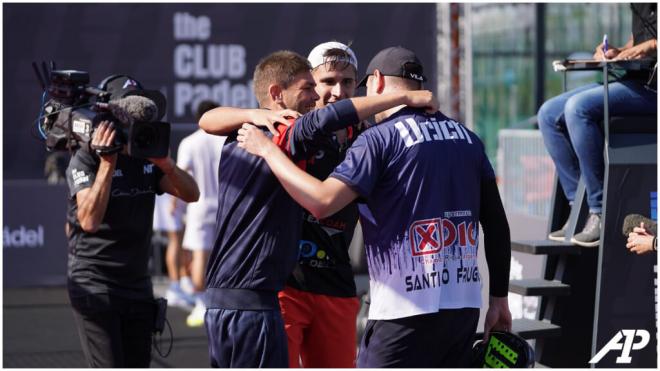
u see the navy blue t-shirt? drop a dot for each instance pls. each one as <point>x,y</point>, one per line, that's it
<point>258,224</point>
<point>419,177</point>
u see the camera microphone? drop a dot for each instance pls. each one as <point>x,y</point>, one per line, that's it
<point>130,109</point>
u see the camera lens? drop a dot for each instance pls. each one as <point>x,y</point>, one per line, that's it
<point>146,136</point>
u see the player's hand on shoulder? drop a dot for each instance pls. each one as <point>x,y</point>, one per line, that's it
<point>422,99</point>
<point>268,118</point>
<point>253,140</point>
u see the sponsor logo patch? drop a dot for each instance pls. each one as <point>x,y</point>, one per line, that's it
<point>425,237</point>
<point>79,176</point>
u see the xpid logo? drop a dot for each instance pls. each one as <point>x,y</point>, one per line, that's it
<point>628,344</point>
<point>426,237</point>
<point>429,236</point>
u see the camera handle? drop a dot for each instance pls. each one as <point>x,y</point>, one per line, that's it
<point>106,150</point>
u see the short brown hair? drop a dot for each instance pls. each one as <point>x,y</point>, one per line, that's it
<point>336,59</point>
<point>278,68</point>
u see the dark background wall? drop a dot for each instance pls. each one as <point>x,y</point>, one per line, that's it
<point>212,56</point>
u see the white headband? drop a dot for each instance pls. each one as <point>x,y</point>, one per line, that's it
<point>316,56</point>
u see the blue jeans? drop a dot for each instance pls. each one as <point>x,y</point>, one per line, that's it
<point>571,124</point>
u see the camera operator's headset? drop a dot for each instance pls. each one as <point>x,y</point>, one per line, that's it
<point>154,95</point>
<point>103,85</point>
<point>503,350</point>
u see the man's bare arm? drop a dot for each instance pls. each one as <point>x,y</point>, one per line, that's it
<point>226,120</point>
<point>321,199</point>
<point>176,181</point>
<point>92,202</point>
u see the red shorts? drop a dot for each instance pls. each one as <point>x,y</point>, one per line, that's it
<point>320,329</point>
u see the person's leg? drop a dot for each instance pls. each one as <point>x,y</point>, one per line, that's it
<point>434,340</point>
<point>197,269</point>
<point>410,342</point>
<point>330,341</point>
<point>584,116</point>
<point>168,218</point>
<point>462,325</point>
<point>194,242</point>
<point>363,357</point>
<point>198,239</point>
<point>552,125</point>
<point>388,344</point>
<point>216,334</point>
<point>184,270</point>
<point>137,327</point>
<point>297,314</point>
<point>99,330</point>
<point>173,255</point>
<point>196,316</point>
<point>246,339</point>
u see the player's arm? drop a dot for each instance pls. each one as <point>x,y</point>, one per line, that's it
<point>320,198</point>
<point>226,120</point>
<point>497,241</point>
<point>350,111</point>
<point>371,105</point>
<point>308,129</point>
<point>92,201</point>
<point>176,181</point>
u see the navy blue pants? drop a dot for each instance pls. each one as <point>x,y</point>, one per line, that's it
<point>246,338</point>
<point>434,340</point>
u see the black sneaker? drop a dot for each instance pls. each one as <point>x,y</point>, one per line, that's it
<point>560,234</point>
<point>590,235</point>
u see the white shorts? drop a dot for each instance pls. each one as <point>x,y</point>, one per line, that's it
<point>163,219</point>
<point>199,236</point>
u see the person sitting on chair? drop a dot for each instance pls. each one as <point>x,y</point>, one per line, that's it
<point>571,122</point>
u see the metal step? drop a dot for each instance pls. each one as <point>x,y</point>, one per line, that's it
<point>534,329</point>
<point>539,287</point>
<point>548,247</point>
<point>530,329</point>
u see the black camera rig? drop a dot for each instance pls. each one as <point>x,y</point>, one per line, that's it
<point>71,110</point>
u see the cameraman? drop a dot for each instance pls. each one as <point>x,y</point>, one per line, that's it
<point>110,215</point>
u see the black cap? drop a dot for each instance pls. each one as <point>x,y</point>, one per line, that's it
<point>120,86</point>
<point>396,61</point>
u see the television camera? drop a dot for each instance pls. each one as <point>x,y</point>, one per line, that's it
<point>74,109</point>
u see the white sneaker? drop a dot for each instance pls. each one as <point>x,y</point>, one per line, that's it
<point>196,317</point>
<point>177,298</point>
<point>187,286</point>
